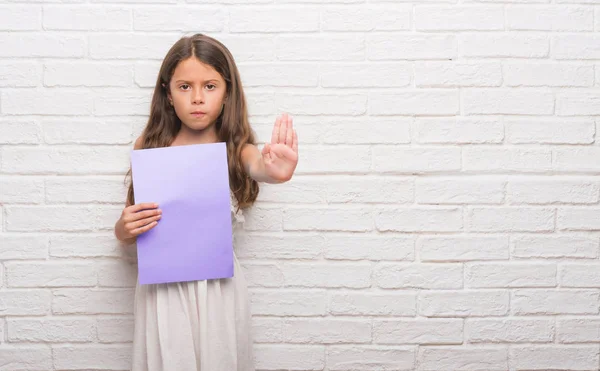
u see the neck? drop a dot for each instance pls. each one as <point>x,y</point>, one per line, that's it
<point>188,136</point>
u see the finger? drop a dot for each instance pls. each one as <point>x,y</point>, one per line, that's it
<point>289,138</point>
<point>266,149</point>
<point>142,215</point>
<point>283,129</point>
<point>275,134</point>
<point>140,223</point>
<point>295,142</point>
<point>138,231</point>
<point>142,206</point>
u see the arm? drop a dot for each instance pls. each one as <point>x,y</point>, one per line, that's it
<point>278,159</point>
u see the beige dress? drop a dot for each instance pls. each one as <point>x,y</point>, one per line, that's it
<point>194,326</point>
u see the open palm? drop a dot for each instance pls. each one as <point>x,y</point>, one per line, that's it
<point>281,155</point>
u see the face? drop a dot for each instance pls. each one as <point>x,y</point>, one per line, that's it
<point>197,91</point>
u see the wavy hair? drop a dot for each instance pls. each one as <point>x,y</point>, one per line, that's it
<point>232,124</point>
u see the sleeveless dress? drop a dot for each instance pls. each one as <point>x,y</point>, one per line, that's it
<point>194,326</point>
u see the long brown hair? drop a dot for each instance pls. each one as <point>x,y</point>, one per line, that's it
<point>232,124</point>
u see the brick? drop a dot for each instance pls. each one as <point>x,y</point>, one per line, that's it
<point>17,190</point>
<point>40,45</point>
<point>329,219</point>
<point>360,75</point>
<point>457,74</point>
<point>329,275</point>
<point>272,19</point>
<point>65,160</point>
<point>418,276</point>
<point>296,302</point>
<point>20,18</point>
<point>353,303</point>
<point>541,357</point>
<point>320,48</point>
<point>506,159</point>
<point>507,102</point>
<point>52,103</point>
<point>100,357</point>
<point>326,331</point>
<point>50,274</point>
<point>372,358</point>
<point>437,190</point>
<point>180,18</point>
<point>473,303</point>
<point>304,104</point>
<point>86,190</point>
<point>421,219</point>
<point>429,103</point>
<point>459,248</point>
<point>415,160</point>
<point>259,74</point>
<point>578,275</point>
<point>459,130</point>
<point>418,331</point>
<point>263,275</point>
<point>23,247</point>
<point>24,358</point>
<point>31,302</point>
<point>555,247</point>
<point>369,247</point>
<point>585,219</point>
<point>510,330</point>
<point>52,330</point>
<point>85,245</point>
<point>512,219</point>
<point>106,18</point>
<point>115,330</point>
<point>84,74</point>
<point>366,18</point>
<point>459,18</point>
<point>411,47</point>
<point>549,131</point>
<point>552,191</point>
<point>554,18</point>
<point>508,275</point>
<point>289,357</point>
<point>20,74</point>
<point>129,46</point>
<point>549,301</point>
<point>445,358</point>
<point>92,301</point>
<point>500,45</point>
<point>545,74</point>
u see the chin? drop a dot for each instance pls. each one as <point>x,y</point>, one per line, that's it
<point>197,126</point>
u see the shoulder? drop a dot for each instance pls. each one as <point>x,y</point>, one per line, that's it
<point>138,143</point>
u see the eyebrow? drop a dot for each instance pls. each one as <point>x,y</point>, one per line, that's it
<point>205,81</point>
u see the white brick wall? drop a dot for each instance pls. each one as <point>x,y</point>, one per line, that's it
<point>446,209</point>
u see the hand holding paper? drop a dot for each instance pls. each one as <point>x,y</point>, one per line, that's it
<point>281,155</point>
<point>139,218</point>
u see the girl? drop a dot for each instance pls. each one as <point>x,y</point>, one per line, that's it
<point>198,98</point>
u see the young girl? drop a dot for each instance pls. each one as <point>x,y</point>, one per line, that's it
<point>198,98</point>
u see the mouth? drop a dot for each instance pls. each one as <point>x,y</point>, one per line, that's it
<point>198,113</point>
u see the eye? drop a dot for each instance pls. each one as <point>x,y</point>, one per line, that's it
<point>184,86</point>
<point>211,86</point>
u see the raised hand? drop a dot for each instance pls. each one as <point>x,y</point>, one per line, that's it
<point>281,155</point>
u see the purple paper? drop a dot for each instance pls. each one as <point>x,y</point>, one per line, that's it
<point>193,239</point>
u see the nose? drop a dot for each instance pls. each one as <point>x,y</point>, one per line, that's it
<point>197,96</point>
